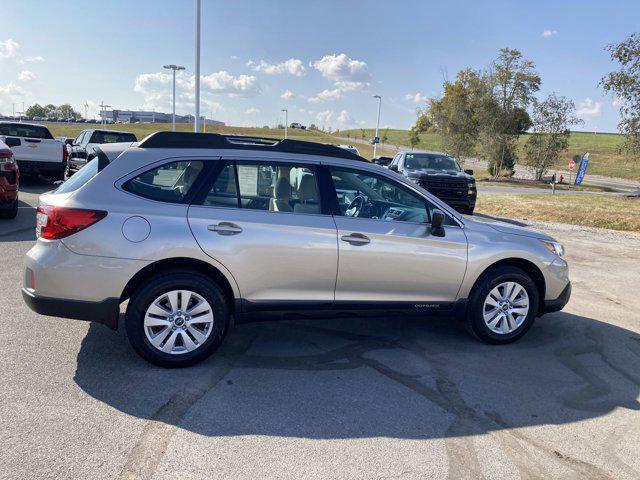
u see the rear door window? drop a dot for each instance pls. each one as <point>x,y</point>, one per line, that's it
<point>270,186</point>
<point>170,183</point>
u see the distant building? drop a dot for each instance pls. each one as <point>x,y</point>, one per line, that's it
<point>140,116</point>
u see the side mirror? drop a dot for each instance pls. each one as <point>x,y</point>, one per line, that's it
<point>437,222</point>
<point>393,168</point>
<point>12,142</point>
<point>469,172</point>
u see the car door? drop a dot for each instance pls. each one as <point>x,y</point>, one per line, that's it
<point>387,251</point>
<point>265,222</point>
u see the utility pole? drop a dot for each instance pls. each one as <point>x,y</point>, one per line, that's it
<point>377,138</point>
<point>174,68</point>
<point>196,124</point>
<point>286,121</point>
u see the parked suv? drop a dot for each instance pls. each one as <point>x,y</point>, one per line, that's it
<point>194,229</point>
<point>8,183</point>
<point>441,175</point>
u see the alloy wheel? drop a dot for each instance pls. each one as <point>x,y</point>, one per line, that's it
<point>506,307</point>
<point>178,322</point>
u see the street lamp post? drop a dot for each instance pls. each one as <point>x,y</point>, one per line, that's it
<point>286,121</point>
<point>196,123</point>
<point>174,68</point>
<point>377,124</point>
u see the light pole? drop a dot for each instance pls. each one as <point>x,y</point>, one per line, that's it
<point>174,68</point>
<point>286,121</point>
<point>375,144</point>
<point>196,123</point>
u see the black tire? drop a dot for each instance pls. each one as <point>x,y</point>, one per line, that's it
<point>484,285</point>
<point>68,172</point>
<point>165,282</point>
<point>11,212</point>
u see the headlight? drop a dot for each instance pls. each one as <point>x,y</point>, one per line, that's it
<point>554,247</point>
<point>472,188</point>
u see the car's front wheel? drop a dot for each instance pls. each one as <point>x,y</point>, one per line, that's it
<point>503,305</point>
<point>11,212</point>
<point>177,319</point>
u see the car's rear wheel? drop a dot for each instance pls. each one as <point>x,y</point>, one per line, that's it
<point>177,319</point>
<point>11,212</point>
<point>503,305</point>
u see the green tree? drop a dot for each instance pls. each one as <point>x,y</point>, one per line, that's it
<point>552,120</point>
<point>363,133</point>
<point>423,123</point>
<point>50,110</point>
<point>66,111</point>
<point>385,136</point>
<point>414,138</point>
<point>313,126</point>
<point>36,110</point>
<point>625,84</point>
<point>456,114</point>
<point>513,81</point>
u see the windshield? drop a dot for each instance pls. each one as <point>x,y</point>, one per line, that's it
<point>430,161</point>
<point>85,174</point>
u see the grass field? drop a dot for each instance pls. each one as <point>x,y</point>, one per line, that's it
<point>141,130</point>
<point>604,158</point>
<point>604,211</point>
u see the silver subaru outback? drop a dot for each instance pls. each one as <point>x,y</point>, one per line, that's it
<point>194,230</point>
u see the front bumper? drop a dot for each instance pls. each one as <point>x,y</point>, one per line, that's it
<point>105,312</point>
<point>558,304</point>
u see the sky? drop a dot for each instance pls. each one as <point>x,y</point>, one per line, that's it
<point>322,61</point>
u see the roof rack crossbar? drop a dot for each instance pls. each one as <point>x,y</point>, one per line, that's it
<point>240,142</point>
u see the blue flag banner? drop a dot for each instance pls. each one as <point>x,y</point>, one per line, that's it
<point>582,170</point>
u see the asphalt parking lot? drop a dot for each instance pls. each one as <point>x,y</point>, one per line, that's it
<point>401,398</point>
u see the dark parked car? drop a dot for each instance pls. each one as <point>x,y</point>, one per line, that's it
<point>8,183</point>
<point>383,161</point>
<point>441,175</point>
<point>82,145</point>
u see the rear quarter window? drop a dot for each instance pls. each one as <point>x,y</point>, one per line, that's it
<point>169,183</point>
<point>23,130</point>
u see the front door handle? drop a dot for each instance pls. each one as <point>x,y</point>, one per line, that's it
<point>225,228</point>
<point>355,239</point>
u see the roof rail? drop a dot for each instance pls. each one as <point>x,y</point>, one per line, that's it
<point>240,142</point>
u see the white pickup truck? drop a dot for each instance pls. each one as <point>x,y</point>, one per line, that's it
<point>35,149</point>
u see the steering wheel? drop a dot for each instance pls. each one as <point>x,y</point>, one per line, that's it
<point>355,207</point>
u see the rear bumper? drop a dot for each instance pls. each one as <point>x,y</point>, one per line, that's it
<point>105,312</point>
<point>558,304</point>
<point>27,167</point>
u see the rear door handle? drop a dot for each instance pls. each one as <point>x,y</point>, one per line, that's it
<point>225,228</point>
<point>355,239</point>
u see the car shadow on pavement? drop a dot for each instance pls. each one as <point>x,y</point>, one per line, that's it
<point>386,377</point>
<point>38,185</point>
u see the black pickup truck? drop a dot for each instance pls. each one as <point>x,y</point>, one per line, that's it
<point>441,175</point>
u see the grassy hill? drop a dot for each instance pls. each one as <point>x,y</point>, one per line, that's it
<point>604,158</point>
<point>141,130</point>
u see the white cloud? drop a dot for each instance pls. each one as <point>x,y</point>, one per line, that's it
<point>324,117</point>
<point>240,86</point>
<point>293,66</point>
<point>416,98</point>
<point>37,58</point>
<point>13,90</point>
<point>8,48</point>
<point>346,73</point>
<point>26,76</point>
<point>549,33</point>
<point>9,94</point>
<point>617,102</point>
<point>326,95</point>
<point>344,118</point>
<point>287,94</point>
<point>251,111</point>
<point>234,57</point>
<point>589,109</point>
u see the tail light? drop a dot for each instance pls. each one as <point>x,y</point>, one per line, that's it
<point>53,223</point>
<point>65,153</point>
<point>7,161</point>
